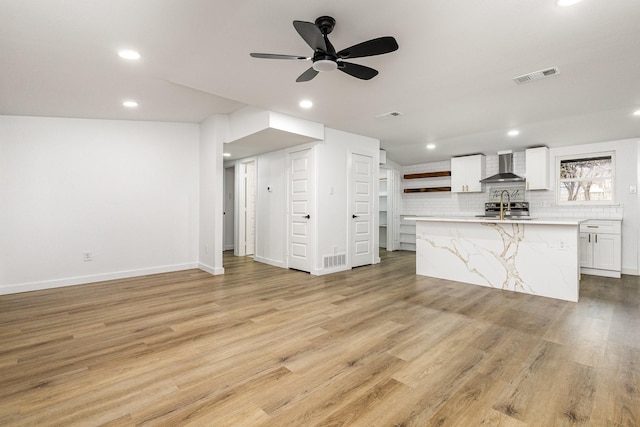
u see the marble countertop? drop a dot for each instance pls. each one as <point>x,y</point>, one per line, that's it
<point>544,221</point>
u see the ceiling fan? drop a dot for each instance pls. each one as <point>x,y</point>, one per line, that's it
<point>325,57</point>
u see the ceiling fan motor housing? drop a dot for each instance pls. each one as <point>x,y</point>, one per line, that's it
<point>326,24</point>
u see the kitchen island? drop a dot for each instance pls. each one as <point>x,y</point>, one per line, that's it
<point>536,256</point>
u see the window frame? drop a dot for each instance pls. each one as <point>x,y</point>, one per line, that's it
<point>577,157</point>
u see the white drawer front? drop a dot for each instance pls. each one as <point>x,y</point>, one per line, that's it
<point>601,226</point>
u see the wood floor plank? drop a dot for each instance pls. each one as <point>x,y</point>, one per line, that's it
<point>264,346</point>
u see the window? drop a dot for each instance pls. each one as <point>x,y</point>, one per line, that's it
<point>587,179</point>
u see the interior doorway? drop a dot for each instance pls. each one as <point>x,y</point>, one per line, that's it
<point>229,208</point>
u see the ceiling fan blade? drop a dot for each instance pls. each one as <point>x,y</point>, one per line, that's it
<point>307,75</point>
<point>370,48</point>
<point>311,34</point>
<point>357,70</point>
<point>277,56</point>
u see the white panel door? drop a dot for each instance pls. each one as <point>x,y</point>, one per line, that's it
<point>361,210</point>
<point>301,208</point>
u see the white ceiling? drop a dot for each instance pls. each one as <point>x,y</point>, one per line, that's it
<point>451,77</point>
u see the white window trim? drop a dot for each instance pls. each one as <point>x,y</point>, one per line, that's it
<point>586,202</point>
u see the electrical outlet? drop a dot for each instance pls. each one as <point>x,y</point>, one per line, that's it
<point>88,256</point>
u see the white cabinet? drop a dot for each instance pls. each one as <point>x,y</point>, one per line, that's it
<point>601,248</point>
<point>537,168</point>
<point>466,173</point>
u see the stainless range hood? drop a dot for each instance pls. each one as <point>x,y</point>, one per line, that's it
<point>505,169</point>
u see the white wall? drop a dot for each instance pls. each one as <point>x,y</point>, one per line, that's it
<point>334,218</point>
<point>333,211</point>
<point>271,200</point>
<point>126,191</point>
<point>213,134</point>
<point>247,121</point>
<point>542,203</point>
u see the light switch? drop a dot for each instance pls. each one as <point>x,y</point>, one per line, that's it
<point>633,189</point>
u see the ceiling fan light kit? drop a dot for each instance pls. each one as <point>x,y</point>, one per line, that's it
<point>325,58</point>
<point>325,65</point>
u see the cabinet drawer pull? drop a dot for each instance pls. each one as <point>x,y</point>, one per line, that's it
<point>589,240</point>
<point>593,226</point>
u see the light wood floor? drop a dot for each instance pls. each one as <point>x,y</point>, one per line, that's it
<point>377,346</point>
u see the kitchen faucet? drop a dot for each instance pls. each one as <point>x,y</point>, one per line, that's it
<point>502,204</point>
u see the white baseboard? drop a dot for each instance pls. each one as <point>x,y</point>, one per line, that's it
<point>83,280</point>
<point>630,271</point>
<point>273,262</point>
<point>211,270</point>
<point>330,271</point>
<point>597,272</point>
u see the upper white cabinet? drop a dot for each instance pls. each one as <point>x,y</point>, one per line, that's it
<point>537,168</point>
<point>466,173</point>
<point>601,247</point>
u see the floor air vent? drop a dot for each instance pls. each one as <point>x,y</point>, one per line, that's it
<point>536,75</point>
<point>333,261</point>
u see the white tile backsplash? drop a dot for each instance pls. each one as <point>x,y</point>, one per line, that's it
<point>542,203</point>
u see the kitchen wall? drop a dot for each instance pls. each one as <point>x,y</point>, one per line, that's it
<point>126,191</point>
<point>542,202</point>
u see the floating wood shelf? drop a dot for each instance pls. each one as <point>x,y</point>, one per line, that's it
<point>427,175</point>
<point>426,190</point>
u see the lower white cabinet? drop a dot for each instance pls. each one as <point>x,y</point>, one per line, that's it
<point>601,248</point>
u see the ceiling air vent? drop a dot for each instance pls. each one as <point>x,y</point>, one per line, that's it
<point>536,75</point>
<point>389,115</point>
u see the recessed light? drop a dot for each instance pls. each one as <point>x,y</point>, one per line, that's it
<point>636,113</point>
<point>563,3</point>
<point>129,54</point>
<point>226,154</point>
<point>513,132</point>
<point>431,146</point>
<point>305,103</point>
<point>130,104</point>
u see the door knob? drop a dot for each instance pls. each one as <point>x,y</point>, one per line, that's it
<point>306,216</point>
<point>354,216</point>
